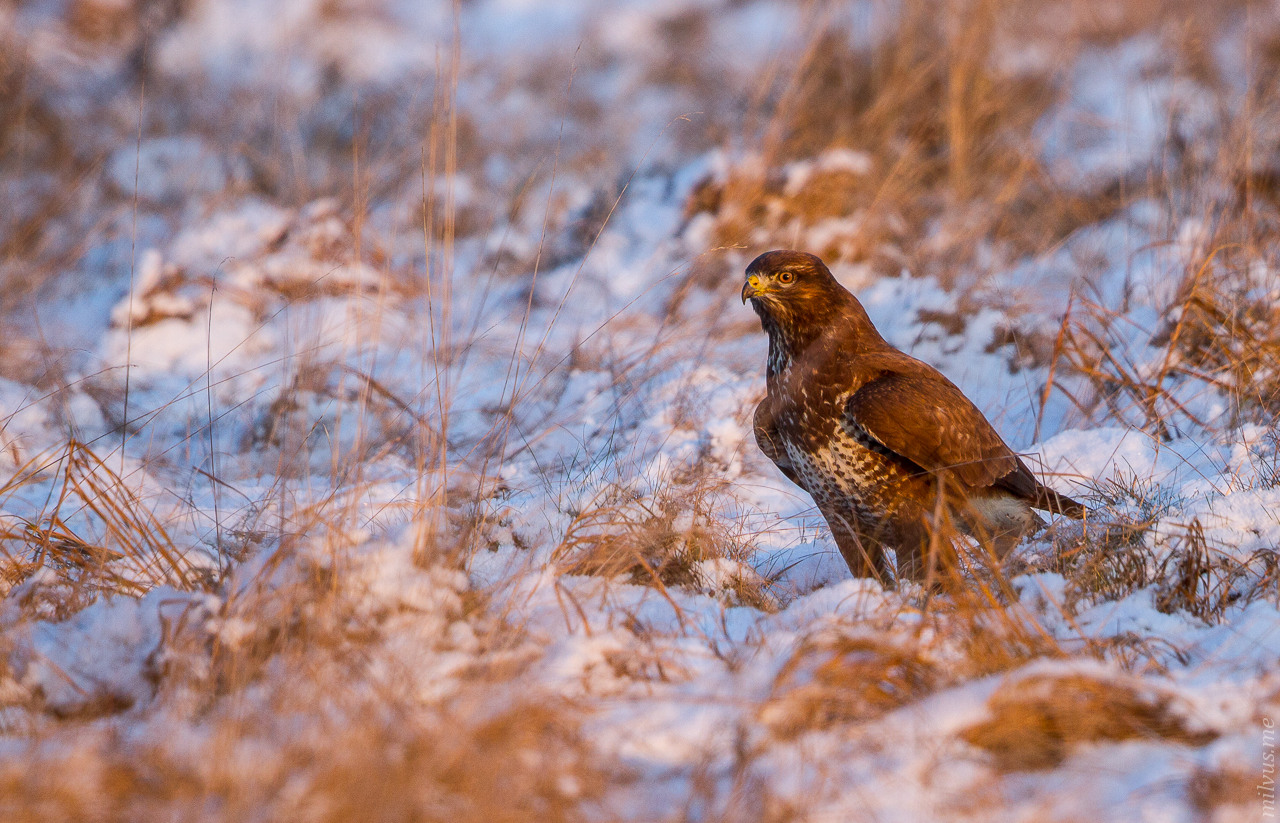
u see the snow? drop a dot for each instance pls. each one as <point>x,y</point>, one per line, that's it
<point>1120,110</point>
<point>100,653</point>
<point>272,372</point>
<point>171,169</point>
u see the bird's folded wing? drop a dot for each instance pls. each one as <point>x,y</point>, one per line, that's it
<point>927,420</point>
<point>770,442</point>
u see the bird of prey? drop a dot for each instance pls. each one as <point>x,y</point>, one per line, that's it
<point>889,449</point>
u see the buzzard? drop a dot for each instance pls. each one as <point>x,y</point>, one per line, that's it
<point>889,449</point>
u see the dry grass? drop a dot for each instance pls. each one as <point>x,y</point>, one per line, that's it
<point>830,682</point>
<point>944,176</point>
<point>463,760</point>
<point>1206,581</point>
<point>289,695</point>
<point>672,538</point>
<point>98,536</point>
<point>301,695</point>
<point>1221,338</point>
<point>1112,555</point>
<point>920,155</point>
<point>1118,553</point>
<point>50,196</point>
<point>860,672</point>
<point>1036,723</point>
<point>1216,333</point>
<point>1225,793</point>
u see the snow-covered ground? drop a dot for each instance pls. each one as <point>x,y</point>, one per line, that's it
<point>374,423</point>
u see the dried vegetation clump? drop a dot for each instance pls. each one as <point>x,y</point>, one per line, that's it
<point>98,537</point>
<point>1219,337</point>
<point>1036,723</point>
<point>1132,542</point>
<point>1225,792</point>
<point>1206,581</point>
<point>859,672</point>
<point>849,679</point>
<point>1112,556</point>
<point>677,537</point>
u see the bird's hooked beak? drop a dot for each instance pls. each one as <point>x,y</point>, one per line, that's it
<point>754,287</point>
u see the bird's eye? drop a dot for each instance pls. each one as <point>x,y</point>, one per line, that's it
<point>786,277</point>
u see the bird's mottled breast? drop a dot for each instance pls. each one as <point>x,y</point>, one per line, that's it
<point>837,464</point>
<point>808,403</point>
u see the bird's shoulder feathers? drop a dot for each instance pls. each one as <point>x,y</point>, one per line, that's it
<point>916,413</point>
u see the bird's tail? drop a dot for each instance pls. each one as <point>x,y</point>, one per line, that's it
<point>1051,501</point>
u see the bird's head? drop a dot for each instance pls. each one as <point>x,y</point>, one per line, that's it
<point>786,277</point>
<point>798,298</point>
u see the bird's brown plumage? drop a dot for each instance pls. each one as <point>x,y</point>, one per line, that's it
<point>886,445</point>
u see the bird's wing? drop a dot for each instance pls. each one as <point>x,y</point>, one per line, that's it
<point>927,420</point>
<point>770,443</point>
